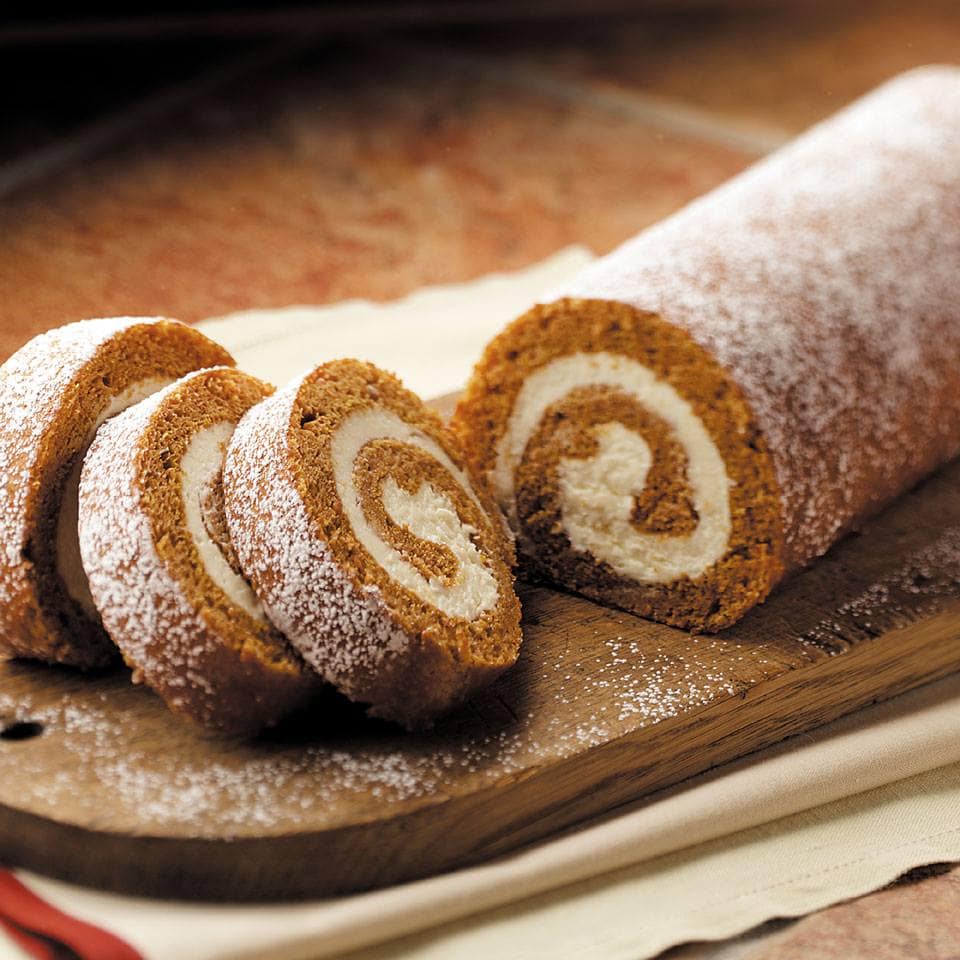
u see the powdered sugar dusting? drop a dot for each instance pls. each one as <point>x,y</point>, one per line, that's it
<point>204,658</point>
<point>920,583</point>
<point>34,386</point>
<point>263,787</point>
<point>825,279</point>
<point>303,589</point>
<point>142,605</point>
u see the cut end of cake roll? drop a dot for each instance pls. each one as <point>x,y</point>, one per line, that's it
<point>627,462</point>
<point>161,567</point>
<point>385,563</point>
<point>54,394</point>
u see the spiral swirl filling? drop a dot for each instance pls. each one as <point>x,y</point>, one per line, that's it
<point>414,511</point>
<point>602,452</point>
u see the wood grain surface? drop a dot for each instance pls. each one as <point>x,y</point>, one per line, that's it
<point>100,784</point>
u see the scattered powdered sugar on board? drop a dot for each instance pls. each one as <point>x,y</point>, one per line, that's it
<point>825,279</point>
<point>917,585</point>
<point>572,691</point>
<point>240,786</point>
<point>315,774</point>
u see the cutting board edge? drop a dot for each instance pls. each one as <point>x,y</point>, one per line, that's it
<point>582,788</point>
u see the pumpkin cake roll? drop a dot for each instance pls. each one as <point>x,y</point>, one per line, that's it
<point>372,548</point>
<point>715,403</point>
<point>161,567</point>
<point>54,393</point>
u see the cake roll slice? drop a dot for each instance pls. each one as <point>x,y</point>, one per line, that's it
<point>377,554</point>
<point>54,393</point>
<point>161,568</point>
<point>711,406</point>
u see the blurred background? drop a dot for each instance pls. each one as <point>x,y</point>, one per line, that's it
<point>197,160</point>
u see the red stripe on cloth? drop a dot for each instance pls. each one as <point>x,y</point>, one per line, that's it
<point>21,907</point>
<point>40,949</point>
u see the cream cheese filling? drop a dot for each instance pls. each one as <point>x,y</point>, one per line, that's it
<point>428,514</point>
<point>69,564</point>
<point>597,493</point>
<point>200,466</point>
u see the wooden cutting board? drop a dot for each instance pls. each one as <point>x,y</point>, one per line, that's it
<point>100,784</point>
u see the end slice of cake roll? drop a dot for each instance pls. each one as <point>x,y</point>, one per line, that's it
<point>372,548</point>
<point>162,571</point>
<point>714,404</point>
<point>54,393</point>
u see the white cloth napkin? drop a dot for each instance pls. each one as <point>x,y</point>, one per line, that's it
<point>431,339</point>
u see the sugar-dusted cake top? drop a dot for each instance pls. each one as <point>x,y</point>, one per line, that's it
<point>826,279</point>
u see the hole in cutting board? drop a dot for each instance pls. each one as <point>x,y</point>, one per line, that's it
<point>21,730</point>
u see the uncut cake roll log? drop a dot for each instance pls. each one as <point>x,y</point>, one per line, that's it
<point>715,403</point>
<point>372,548</point>
<point>161,567</point>
<point>54,393</point>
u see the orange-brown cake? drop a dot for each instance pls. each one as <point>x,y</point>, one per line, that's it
<point>54,393</point>
<point>373,550</point>
<point>715,403</point>
<point>161,567</point>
